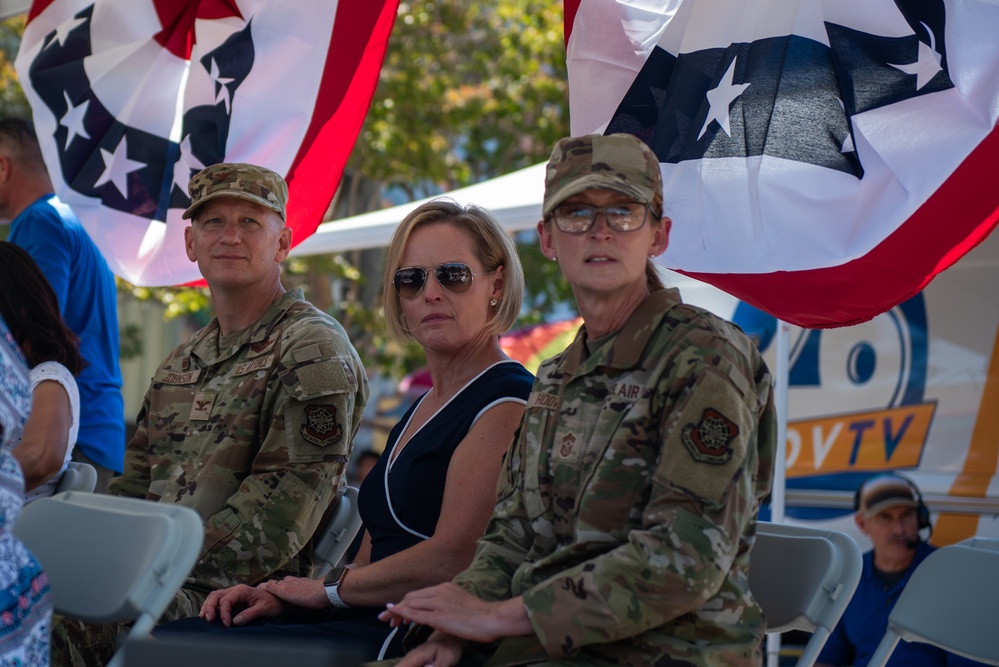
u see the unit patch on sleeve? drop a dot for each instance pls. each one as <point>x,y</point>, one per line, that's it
<point>709,440</point>
<point>321,427</point>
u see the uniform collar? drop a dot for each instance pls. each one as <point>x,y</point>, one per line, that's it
<point>211,346</point>
<point>624,349</point>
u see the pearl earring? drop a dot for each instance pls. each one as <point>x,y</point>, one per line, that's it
<point>493,302</point>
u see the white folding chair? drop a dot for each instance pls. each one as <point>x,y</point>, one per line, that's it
<point>111,559</point>
<point>77,477</point>
<point>803,578</point>
<point>951,601</point>
<point>339,532</point>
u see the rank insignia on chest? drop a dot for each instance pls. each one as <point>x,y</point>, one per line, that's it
<point>710,439</point>
<point>568,443</point>
<point>201,406</point>
<point>260,347</point>
<point>321,427</point>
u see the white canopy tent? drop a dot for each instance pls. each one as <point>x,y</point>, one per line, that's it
<point>515,200</point>
<point>10,8</point>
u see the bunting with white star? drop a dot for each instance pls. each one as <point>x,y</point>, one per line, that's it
<point>822,160</point>
<point>130,99</point>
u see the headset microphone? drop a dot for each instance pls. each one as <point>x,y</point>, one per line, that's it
<point>912,544</point>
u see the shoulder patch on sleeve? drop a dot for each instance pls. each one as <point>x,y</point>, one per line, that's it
<point>710,439</point>
<point>320,426</point>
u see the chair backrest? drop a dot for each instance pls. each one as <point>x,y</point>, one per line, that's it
<point>77,477</point>
<point>336,536</point>
<point>803,578</point>
<point>111,559</point>
<point>951,601</point>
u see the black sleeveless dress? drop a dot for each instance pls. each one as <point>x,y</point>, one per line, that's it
<point>399,505</point>
<point>400,501</point>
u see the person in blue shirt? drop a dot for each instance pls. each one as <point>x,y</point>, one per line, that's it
<point>890,511</point>
<point>49,231</point>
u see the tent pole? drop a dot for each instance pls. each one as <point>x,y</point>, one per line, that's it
<point>780,402</point>
<point>780,460</point>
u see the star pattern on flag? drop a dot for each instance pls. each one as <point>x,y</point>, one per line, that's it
<point>132,97</point>
<point>833,155</point>
<point>186,163</point>
<point>140,168</point>
<point>801,112</point>
<point>926,66</point>
<point>66,27</point>
<point>221,83</point>
<point>720,100</point>
<point>117,167</point>
<point>73,120</point>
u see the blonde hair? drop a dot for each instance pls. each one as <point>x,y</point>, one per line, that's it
<point>493,246</point>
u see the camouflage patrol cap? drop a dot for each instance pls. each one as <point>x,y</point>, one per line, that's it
<point>619,162</point>
<point>243,181</point>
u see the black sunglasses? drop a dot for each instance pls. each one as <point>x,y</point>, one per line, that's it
<point>455,277</point>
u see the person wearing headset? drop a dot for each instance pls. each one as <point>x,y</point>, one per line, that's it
<point>889,509</point>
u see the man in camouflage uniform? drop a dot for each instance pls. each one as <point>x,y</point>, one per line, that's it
<point>250,421</point>
<point>627,511</point>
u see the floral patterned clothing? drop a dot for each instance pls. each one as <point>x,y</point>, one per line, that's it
<point>25,607</point>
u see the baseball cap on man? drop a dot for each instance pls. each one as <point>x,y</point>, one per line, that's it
<point>885,491</point>
<point>243,181</point>
<point>619,162</point>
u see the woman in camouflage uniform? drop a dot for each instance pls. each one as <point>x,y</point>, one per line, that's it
<point>628,503</point>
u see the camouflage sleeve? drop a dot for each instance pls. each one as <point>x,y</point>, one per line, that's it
<point>505,543</point>
<point>306,433</point>
<point>702,500</point>
<point>135,478</point>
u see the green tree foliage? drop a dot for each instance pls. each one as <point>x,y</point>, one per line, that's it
<point>469,90</point>
<point>12,100</point>
<point>179,301</point>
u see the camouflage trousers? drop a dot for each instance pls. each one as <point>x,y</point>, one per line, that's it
<point>79,644</point>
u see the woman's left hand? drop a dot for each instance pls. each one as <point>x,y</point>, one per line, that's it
<point>450,608</point>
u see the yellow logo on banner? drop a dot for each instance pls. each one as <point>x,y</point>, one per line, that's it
<point>862,441</point>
